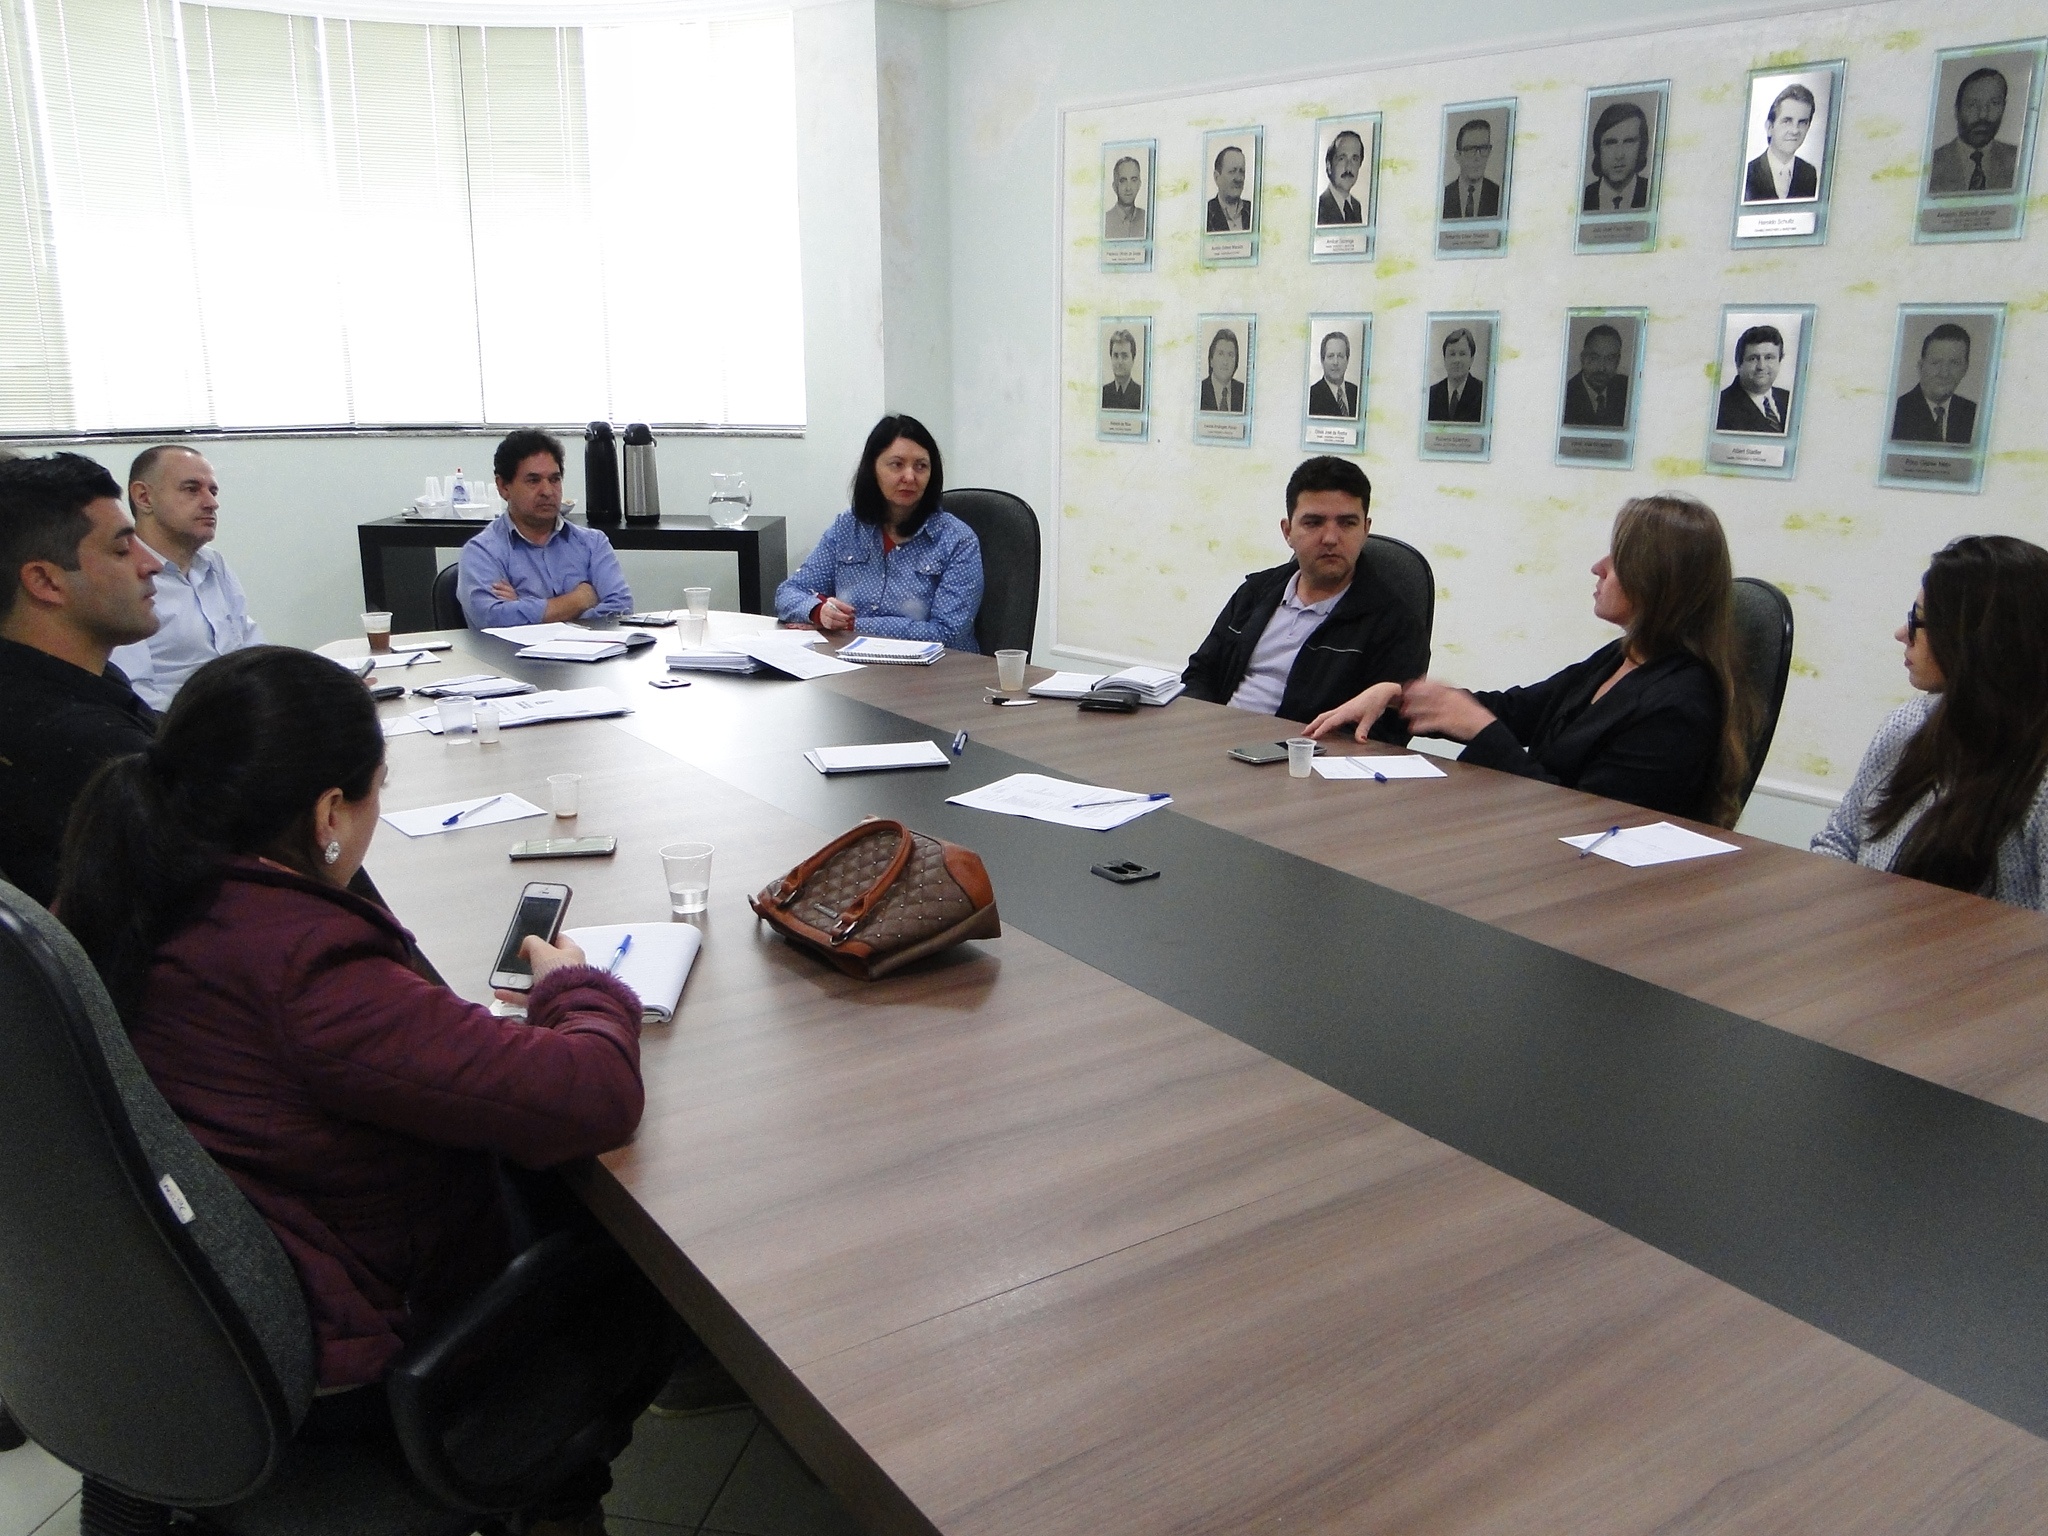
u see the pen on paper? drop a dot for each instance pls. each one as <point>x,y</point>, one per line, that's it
<point>1079,805</point>
<point>619,954</point>
<point>1610,832</point>
<point>959,743</point>
<point>481,805</point>
<point>1381,777</point>
<point>414,657</point>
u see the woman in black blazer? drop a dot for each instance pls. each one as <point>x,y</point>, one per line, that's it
<point>1653,718</point>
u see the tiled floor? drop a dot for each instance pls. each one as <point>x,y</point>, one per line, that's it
<point>721,1474</point>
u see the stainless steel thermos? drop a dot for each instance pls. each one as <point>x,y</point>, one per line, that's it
<point>643,495</point>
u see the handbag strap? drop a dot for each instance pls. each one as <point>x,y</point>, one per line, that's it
<point>786,889</point>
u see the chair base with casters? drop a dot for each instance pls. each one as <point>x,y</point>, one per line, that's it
<point>153,1334</point>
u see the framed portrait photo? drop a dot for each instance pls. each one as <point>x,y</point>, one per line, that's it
<point>1621,165</point>
<point>1346,176</point>
<point>1981,128</point>
<point>1788,160</point>
<point>1600,381</point>
<point>1123,351</point>
<point>1224,351</point>
<point>1762,358</point>
<point>1334,388</point>
<point>1476,172</point>
<point>1233,161</point>
<point>1128,167</point>
<point>1459,348</point>
<point>1944,373</point>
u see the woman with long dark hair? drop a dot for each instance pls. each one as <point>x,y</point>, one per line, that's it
<point>360,1106</point>
<point>895,564</point>
<point>1951,790</point>
<point>1654,718</point>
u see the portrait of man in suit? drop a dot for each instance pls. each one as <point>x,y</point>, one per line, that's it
<point>1472,194</point>
<point>1597,395</point>
<point>1122,392</point>
<point>1126,220</point>
<point>1460,395</point>
<point>1931,411</point>
<point>1619,149</point>
<point>1229,209</point>
<point>1342,162</point>
<point>1222,389</point>
<point>1330,395</point>
<point>1781,173</point>
<point>1976,159</point>
<point>1755,402</point>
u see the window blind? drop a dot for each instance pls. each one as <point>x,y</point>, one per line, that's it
<point>231,218</point>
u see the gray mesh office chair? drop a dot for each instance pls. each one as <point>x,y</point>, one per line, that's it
<point>1403,568</point>
<point>1008,531</point>
<point>1763,656</point>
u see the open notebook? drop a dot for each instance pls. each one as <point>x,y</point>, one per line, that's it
<point>655,966</point>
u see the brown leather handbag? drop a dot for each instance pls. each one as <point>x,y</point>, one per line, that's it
<point>879,896</point>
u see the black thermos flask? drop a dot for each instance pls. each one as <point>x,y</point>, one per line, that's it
<point>600,476</point>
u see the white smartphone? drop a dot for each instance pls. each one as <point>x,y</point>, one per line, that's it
<point>541,908</point>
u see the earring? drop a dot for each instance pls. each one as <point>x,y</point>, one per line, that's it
<point>332,853</point>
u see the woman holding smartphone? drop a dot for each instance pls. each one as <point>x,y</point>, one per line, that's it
<point>361,1106</point>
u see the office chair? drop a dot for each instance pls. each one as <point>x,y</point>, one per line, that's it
<point>1763,658</point>
<point>445,598</point>
<point>154,1336</point>
<point>1403,568</point>
<point>1008,530</point>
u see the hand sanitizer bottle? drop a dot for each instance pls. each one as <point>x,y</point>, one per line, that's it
<point>458,488</point>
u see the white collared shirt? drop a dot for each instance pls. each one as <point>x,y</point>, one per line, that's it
<point>202,613</point>
<point>1781,172</point>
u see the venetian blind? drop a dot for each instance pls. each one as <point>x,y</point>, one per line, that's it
<point>221,217</point>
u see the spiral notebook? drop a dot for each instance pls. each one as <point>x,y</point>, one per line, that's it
<point>873,650</point>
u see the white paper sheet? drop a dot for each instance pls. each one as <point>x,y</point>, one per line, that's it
<point>655,966</point>
<point>1065,685</point>
<point>416,657</point>
<point>534,634</point>
<point>796,660</point>
<point>428,819</point>
<point>538,708</point>
<point>596,648</point>
<point>1374,769</point>
<point>1658,843</point>
<point>402,725</point>
<point>1057,801</point>
<point>880,755</point>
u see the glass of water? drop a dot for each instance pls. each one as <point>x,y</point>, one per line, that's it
<point>686,869</point>
<point>730,500</point>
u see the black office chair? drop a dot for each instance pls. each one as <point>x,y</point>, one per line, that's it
<point>1763,659</point>
<point>446,599</point>
<point>154,1336</point>
<point>1403,568</point>
<point>1008,530</point>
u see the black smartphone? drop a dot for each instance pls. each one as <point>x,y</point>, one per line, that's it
<point>651,620</point>
<point>566,848</point>
<point>540,912</point>
<point>1260,753</point>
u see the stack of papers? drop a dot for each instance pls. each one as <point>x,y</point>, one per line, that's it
<point>482,811</point>
<point>538,708</point>
<point>1065,685</point>
<point>792,657</point>
<point>708,660</point>
<point>655,965</point>
<point>1377,769</point>
<point>1658,843</point>
<point>894,653</point>
<point>537,634</point>
<point>1062,802</point>
<point>1152,685</point>
<point>593,649</point>
<point>475,685</point>
<point>877,758</point>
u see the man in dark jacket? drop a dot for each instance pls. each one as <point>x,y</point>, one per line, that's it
<point>1305,636</point>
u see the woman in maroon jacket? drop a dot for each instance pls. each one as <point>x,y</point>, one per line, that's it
<point>361,1106</point>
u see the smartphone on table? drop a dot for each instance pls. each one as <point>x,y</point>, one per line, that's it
<point>541,909</point>
<point>566,848</point>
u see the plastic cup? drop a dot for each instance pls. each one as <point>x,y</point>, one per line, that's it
<point>377,629</point>
<point>563,789</point>
<point>487,725</point>
<point>1010,669</point>
<point>686,870</point>
<point>690,630</point>
<point>697,600</point>
<point>458,720</point>
<point>1301,751</point>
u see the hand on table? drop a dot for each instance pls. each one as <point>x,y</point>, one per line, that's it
<point>1365,710</point>
<point>1437,709</point>
<point>544,957</point>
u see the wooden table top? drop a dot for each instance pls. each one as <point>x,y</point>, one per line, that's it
<point>1004,1244</point>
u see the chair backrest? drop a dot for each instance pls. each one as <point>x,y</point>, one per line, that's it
<point>152,1332</point>
<point>1008,530</point>
<point>1402,567</point>
<point>1763,659</point>
<point>447,598</point>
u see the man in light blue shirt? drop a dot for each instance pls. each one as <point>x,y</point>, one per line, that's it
<point>201,608</point>
<point>532,566</point>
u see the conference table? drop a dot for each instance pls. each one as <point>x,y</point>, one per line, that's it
<point>1382,1166</point>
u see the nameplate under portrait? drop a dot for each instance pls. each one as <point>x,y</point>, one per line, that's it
<point>1224,350</point>
<point>1123,351</point>
<point>1459,347</point>
<point>1128,168</point>
<point>1981,129</point>
<point>1621,168</point>
<point>1753,423</point>
<point>1231,185</point>
<point>1937,429</point>
<point>1787,170</point>
<point>1476,173</point>
<point>1337,381</point>
<point>1600,386</point>
<point>1346,176</point>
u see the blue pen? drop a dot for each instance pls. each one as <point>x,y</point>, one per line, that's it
<point>624,944</point>
<point>959,743</point>
<point>449,821</point>
<point>1380,776</point>
<point>1121,799</point>
<point>1610,832</point>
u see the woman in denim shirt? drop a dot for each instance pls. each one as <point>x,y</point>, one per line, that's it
<point>895,564</point>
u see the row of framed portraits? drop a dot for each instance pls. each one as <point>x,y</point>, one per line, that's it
<point>1973,182</point>
<point>1936,427</point>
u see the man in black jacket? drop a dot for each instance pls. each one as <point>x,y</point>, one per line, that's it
<point>1305,636</point>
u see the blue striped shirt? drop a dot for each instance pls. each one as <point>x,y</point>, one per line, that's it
<point>926,588</point>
